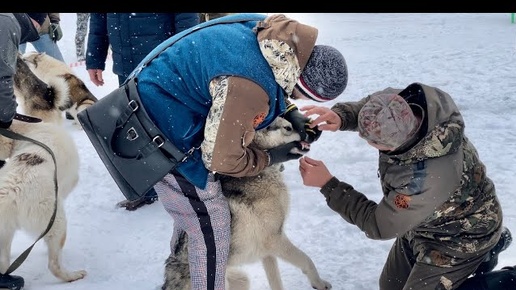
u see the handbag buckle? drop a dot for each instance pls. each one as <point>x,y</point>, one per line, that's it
<point>132,134</point>
<point>134,105</point>
<point>158,140</point>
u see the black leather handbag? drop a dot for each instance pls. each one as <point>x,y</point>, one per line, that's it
<point>134,150</point>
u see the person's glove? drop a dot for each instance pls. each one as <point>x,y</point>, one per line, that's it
<point>55,31</point>
<point>301,124</point>
<point>284,152</point>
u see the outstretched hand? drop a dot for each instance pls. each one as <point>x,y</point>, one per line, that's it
<point>313,172</point>
<point>329,119</point>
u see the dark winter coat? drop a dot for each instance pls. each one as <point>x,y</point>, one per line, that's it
<point>436,192</point>
<point>15,28</point>
<point>131,36</point>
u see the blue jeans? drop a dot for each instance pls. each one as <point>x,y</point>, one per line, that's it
<point>46,45</point>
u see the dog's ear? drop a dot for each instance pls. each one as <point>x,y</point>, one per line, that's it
<point>39,57</point>
<point>28,58</point>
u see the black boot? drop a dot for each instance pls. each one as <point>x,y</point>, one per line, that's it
<point>504,279</point>
<point>492,257</point>
<point>11,282</point>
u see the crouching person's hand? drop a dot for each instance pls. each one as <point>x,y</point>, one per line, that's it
<point>314,172</point>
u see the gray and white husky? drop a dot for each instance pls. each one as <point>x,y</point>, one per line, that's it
<point>259,207</point>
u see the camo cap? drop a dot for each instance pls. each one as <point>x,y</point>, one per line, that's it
<point>388,120</point>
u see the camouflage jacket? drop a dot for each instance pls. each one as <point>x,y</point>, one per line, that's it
<point>435,190</point>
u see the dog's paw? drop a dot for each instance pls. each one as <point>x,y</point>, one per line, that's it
<point>72,276</point>
<point>322,285</point>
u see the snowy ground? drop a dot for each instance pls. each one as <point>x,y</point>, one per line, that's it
<point>471,56</point>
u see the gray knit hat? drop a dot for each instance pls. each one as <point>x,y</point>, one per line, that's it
<point>325,75</point>
<point>387,119</point>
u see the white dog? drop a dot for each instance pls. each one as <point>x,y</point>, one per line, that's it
<point>259,207</point>
<point>27,190</point>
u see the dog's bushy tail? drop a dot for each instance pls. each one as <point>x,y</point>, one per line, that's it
<point>177,270</point>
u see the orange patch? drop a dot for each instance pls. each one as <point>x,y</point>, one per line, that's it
<point>402,201</point>
<point>258,119</point>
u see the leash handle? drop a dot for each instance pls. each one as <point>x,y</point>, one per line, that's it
<point>15,136</point>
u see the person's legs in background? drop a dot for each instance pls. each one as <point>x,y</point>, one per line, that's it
<point>80,35</point>
<point>46,45</point>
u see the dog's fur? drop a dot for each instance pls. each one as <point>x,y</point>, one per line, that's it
<point>259,206</point>
<point>51,71</point>
<point>38,98</point>
<point>27,190</point>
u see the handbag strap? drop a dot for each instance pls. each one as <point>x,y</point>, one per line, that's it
<point>159,141</point>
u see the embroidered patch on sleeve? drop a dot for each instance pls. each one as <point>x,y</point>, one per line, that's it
<point>258,119</point>
<point>402,201</point>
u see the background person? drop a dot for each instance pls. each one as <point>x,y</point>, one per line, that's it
<point>80,35</point>
<point>15,28</point>
<point>50,33</point>
<point>131,36</point>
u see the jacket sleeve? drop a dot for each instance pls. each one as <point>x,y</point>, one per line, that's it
<point>183,21</point>
<point>238,108</point>
<point>54,17</point>
<point>98,42</point>
<point>9,41</point>
<point>410,200</point>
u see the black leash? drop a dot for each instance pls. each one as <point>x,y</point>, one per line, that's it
<point>5,279</point>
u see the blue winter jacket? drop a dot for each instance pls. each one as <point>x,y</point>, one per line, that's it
<point>131,36</point>
<point>174,87</point>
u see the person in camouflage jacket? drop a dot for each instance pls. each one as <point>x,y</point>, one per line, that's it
<point>438,202</point>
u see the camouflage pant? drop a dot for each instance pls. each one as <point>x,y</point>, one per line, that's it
<point>425,268</point>
<point>80,35</point>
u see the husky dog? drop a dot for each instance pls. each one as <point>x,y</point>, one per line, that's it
<point>51,70</point>
<point>36,97</point>
<point>27,190</point>
<point>259,206</point>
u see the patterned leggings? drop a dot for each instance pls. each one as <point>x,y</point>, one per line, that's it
<point>204,215</point>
